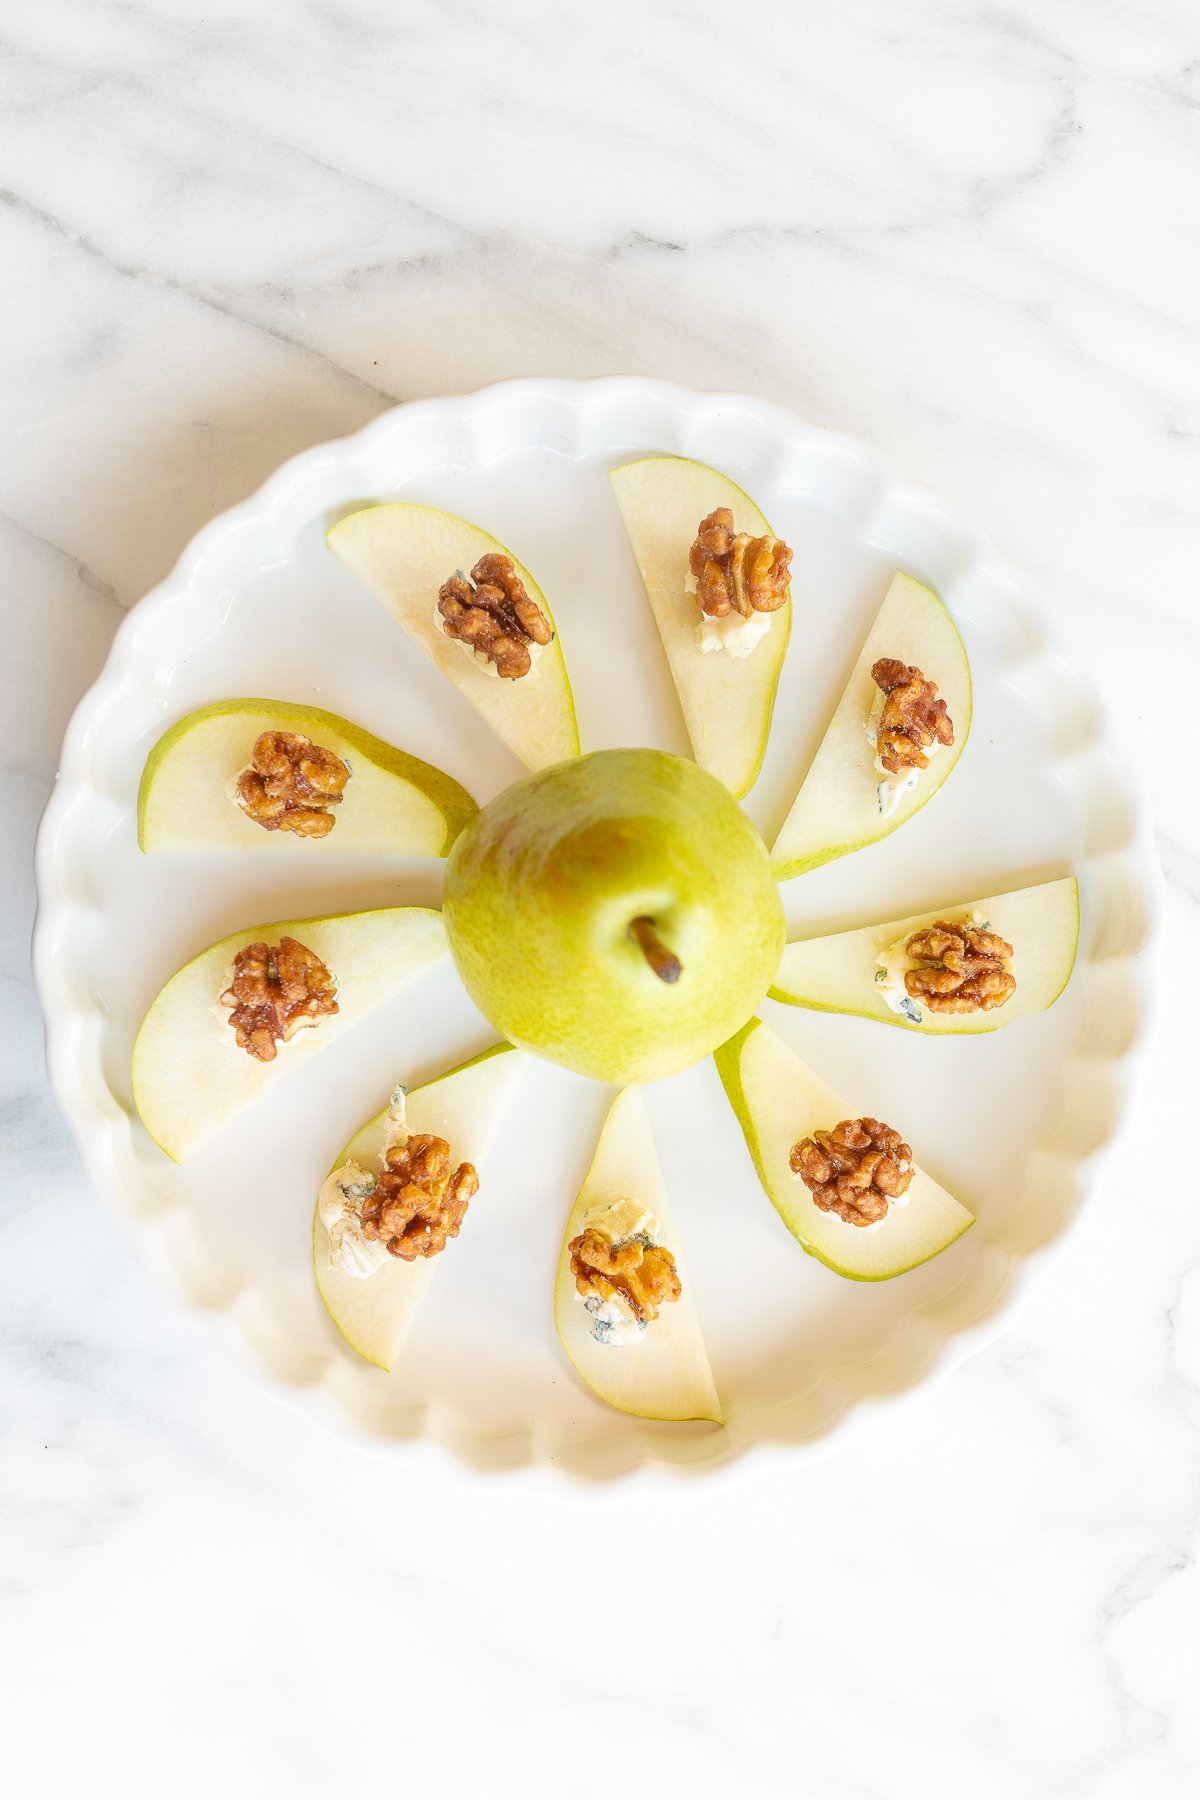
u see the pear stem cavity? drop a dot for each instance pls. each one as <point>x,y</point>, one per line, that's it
<point>664,962</point>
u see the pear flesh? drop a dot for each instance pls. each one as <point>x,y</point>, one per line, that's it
<point>839,808</point>
<point>191,1077</point>
<point>726,700</point>
<point>393,805</point>
<point>841,973</point>
<point>778,1100</point>
<point>403,553</point>
<point>464,1106</point>
<point>664,1373</point>
<point>616,914</point>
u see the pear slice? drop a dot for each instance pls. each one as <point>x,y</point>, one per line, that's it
<point>403,553</point>
<point>462,1106</point>
<point>726,700</point>
<point>838,808</point>
<point>842,973</point>
<point>665,1373</point>
<point>778,1100</point>
<point>394,804</point>
<point>190,1077</point>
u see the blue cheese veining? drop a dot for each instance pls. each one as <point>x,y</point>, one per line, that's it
<point>893,963</point>
<point>613,1319</point>
<point>341,1200</point>
<point>340,1208</point>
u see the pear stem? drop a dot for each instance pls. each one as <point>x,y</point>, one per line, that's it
<point>664,962</point>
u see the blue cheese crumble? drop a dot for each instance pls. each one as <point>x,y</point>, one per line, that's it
<point>621,1222</point>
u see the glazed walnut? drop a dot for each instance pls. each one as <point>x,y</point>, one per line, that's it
<point>276,992</point>
<point>737,573</point>
<point>960,968</point>
<point>913,718</point>
<point>490,611</point>
<point>417,1203</point>
<point>855,1170</point>
<point>291,784</point>
<point>643,1275</point>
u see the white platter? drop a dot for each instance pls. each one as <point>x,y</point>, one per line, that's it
<point>1015,1122</point>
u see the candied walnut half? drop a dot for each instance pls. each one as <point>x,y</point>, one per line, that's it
<point>291,784</point>
<point>417,1203</point>
<point>913,718</point>
<point>960,968</point>
<point>490,611</point>
<point>736,572</point>
<point>855,1170</point>
<point>643,1275</point>
<point>276,992</point>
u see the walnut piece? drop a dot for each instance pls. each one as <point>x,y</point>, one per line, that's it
<point>291,784</point>
<point>644,1276</point>
<point>855,1170</point>
<point>417,1204</point>
<point>913,718</point>
<point>961,968</point>
<point>276,992</point>
<point>490,611</point>
<point>736,572</point>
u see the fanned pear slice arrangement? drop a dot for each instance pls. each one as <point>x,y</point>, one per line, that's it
<point>779,1104</point>
<point>727,690</point>
<point>635,1337</point>
<point>848,798</point>
<point>971,967</point>
<point>374,1308</point>
<point>271,775</point>
<point>406,555</point>
<point>243,1014</point>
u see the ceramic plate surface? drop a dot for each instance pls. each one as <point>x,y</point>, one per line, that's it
<point>1014,1122</point>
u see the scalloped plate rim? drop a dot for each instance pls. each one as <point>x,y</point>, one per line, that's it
<point>449,1446</point>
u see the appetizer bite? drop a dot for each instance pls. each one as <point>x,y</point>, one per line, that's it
<point>251,1008</point>
<point>254,775</point>
<point>623,1306</point>
<point>717,579</point>
<point>845,1185</point>
<point>898,731</point>
<point>962,969</point>
<point>490,632</point>
<point>398,1196</point>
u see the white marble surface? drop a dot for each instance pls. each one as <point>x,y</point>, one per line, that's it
<point>966,233</point>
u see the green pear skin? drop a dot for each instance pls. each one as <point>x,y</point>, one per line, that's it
<point>542,889</point>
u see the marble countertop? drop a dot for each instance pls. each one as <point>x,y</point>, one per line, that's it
<point>966,234</point>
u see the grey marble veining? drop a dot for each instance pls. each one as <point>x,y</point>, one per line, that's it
<point>966,234</point>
